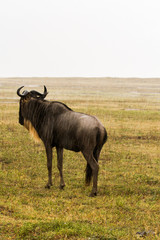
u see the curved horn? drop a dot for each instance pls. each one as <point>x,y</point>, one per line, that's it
<point>18,92</point>
<point>45,91</point>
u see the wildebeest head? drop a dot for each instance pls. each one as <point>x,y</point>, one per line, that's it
<point>25,97</point>
<point>32,94</point>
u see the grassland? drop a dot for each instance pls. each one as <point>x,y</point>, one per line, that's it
<point>128,199</point>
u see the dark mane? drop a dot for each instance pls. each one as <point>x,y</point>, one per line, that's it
<point>63,105</point>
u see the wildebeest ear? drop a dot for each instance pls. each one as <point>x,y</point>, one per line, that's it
<point>24,93</point>
<point>27,97</point>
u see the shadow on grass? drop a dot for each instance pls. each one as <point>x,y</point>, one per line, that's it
<point>128,190</point>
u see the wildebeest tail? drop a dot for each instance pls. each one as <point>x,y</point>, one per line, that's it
<point>88,174</point>
<point>100,140</point>
<point>105,136</point>
<point>101,137</point>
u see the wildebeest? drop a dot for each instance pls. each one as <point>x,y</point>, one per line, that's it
<point>59,126</point>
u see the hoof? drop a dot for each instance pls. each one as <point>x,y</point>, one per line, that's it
<point>93,194</point>
<point>87,184</point>
<point>48,186</point>
<point>62,187</point>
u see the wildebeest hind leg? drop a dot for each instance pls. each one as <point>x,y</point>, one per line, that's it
<point>95,168</point>
<point>49,165</point>
<point>60,166</point>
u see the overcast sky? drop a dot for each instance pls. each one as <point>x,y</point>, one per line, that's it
<point>86,38</point>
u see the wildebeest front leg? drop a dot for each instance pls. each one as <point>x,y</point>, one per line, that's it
<point>60,166</point>
<point>49,165</point>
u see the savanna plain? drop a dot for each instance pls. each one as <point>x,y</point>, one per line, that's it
<point>128,202</point>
